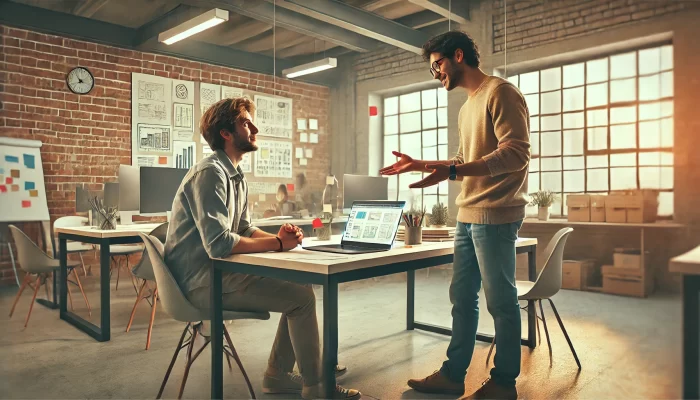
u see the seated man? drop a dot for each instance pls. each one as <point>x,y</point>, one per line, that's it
<point>210,219</point>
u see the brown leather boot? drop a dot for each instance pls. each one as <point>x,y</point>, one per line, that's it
<point>437,383</point>
<point>491,390</point>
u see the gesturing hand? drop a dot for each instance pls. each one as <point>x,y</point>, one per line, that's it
<point>439,174</point>
<point>405,164</point>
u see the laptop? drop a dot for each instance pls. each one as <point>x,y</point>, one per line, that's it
<point>371,227</point>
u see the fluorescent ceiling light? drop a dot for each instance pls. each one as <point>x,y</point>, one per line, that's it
<point>310,68</point>
<point>197,24</point>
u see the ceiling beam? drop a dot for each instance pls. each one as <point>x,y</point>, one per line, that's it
<point>459,13</point>
<point>242,32</point>
<point>267,13</point>
<point>377,4</point>
<point>421,19</point>
<point>88,8</point>
<point>359,21</point>
<point>167,21</point>
<point>68,25</point>
<point>266,42</point>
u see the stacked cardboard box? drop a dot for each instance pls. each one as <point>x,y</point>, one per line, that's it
<point>627,276</point>
<point>586,208</point>
<point>580,275</point>
<point>638,206</point>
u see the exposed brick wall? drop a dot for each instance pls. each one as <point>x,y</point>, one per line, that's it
<point>535,22</point>
<point>85,138</point>
<point>386,61</point>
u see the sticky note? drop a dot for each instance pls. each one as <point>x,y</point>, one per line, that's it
<point>29,161</point>
<point>302,161</point>
<point>29,186</point>
<point>309,153</point>
<point>290,187</point>
<point>162,160</point>
<point>261,197</point>
<point>303,137</point>
<point>2,171</point>
<point>330,180</point>
<point>14,173</point>
<point>299,152</point>
<point>15,188</point>
<point>26,203</point>
<point>33,193</point>
<point>11,159</point>
<point>8,180</point>
<point>3,189</point>
<point>327,208</point>
<point>313,138</point>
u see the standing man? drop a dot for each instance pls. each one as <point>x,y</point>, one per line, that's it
<point>210,219</point>
<point>494,152</point>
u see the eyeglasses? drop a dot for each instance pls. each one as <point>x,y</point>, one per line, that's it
<point>435,67</point>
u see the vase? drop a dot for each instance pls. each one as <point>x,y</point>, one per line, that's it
<point>543,214</point>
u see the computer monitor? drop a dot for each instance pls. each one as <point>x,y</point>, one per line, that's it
<point>158,188</point>
<point>363,188</point>
<point>81,199</point>
<point>111,196</point>
<point>129,188</point>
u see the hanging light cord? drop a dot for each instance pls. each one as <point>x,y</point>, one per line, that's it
<point>274,48</point>
<point>449,15</point>
<point>505,42</point>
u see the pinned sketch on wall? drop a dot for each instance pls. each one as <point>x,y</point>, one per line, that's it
<point>313,124</point>
<point>246,165</point>
<point>151,99</point>
<point>22,190</point>
<point>183,117</point>
<point>153,139</point>
<point>184,154</point>
<point>208,95</point>
<point>273,159</point>
<point>262,188</point>
<point>183,92</point>
<point>313,138</point>
<point>183,136</point>
<point>273,116</point>
<point>146,161</point>
<point>228,92</point>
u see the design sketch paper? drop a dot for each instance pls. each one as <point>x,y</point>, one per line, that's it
<point>303,137</point>
<point>183,136</point>
<point>262,187</point>
<point>313,124</point>
<point>184,116</point>
<point>146,161</point>
<point>301,124</point>
<point>273,116</point>
<point>208,95</point>
<point>183,92</point>
<point>228,92</point>
<point>273,159</point>
<point>313,138</point>
<point>151,99</point>
<point>153,139</point>
<point>245,164</point>
<point>184,154</point>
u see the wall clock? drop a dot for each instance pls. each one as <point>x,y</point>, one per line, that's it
<point>80,80</point>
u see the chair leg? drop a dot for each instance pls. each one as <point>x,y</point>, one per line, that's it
<point>133,310</point>
<point>31,305</point>
<point>82,262</point>
<point>153,316</point>
<point>493,342</point>
<point>188,363</point>
<point>238,361</point>
<point>546,332</point>
<point>539,333</point>
<point>80,286</point>
<point>172,362</point>
<point>25,281</point>
<point>566,335</point>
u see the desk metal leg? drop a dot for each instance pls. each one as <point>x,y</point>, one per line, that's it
<point>217,336</point>
<point>531,312</point>
<point>691,333</point>
<point>410,299</point>
<point>330,334</point>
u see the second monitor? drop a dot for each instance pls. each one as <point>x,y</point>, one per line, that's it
<point>363,187</point>
<point>158,187</point>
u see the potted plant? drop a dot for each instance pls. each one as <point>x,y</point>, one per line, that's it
<point>438,218</point>
<point>543,199</point>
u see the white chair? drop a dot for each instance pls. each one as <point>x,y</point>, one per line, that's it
<point>547,285</point>
<point>176,304</point>
<point>35,262</point>
<point>71,246</point>
<point>144,270</point>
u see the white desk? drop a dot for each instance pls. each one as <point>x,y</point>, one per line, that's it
<point>124,234</point>
<point>330,269</point>
<point>688,264</point>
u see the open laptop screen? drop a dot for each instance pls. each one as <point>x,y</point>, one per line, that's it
<point>373,222</point>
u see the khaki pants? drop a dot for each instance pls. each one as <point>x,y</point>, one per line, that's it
<point>297,337</point>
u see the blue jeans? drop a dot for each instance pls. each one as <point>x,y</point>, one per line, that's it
<point>484,253</point>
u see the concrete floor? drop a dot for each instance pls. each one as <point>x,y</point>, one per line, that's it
<point>628,347</point>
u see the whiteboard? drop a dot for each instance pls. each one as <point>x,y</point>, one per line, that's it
<point>22,190</point>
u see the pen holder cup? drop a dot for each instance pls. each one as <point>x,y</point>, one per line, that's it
<point>323,233</point>
<point>104,220</point>
<point>413,235</point>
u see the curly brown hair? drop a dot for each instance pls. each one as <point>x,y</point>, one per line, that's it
<point>223,115</point>
<point>447,44</point>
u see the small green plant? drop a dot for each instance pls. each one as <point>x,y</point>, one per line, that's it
<point>439,215</point>
<point>543,198</point>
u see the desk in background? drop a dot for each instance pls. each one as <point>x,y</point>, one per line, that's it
<point>330,269</point>
<point>688,264</point>
<point>273,225</point>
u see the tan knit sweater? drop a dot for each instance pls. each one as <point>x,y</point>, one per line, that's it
<point>494,125</point>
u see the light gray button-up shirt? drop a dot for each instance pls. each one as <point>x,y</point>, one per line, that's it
<point>209,216</point>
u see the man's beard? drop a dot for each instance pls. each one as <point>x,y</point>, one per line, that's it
<point>244,146</point>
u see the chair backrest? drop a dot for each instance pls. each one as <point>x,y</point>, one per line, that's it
<point>160,231</point>
<point>548,282</point>
<point>144,269</point>
<point>30,256</point>
<point>173,300</point>
<point>68,221</point>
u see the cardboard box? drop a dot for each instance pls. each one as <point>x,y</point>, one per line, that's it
<point>642,206</point>
<point>579,274</point>
<point>624,285</point>
<point>628,258</point>
<point>579,209</point>
<point>598,208</point>
<point>615,208</point>
<point>622,271</point>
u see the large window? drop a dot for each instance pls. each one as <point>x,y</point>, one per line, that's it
<point>416,124</point>
<point>603,125</point>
